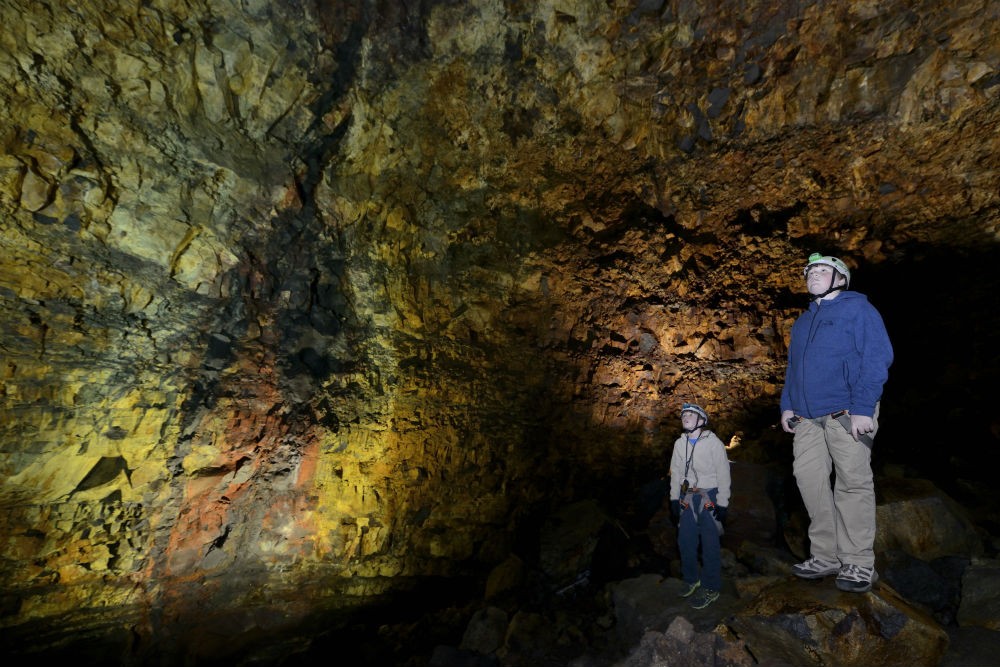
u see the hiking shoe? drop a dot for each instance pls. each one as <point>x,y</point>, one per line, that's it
<point>815,568</point>
<point>856,579</point>
<point>689,589</point>
<point>703,598</point>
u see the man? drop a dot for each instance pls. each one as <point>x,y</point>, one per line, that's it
<point>838,362</point>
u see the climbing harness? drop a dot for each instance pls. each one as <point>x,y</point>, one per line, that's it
<point>706,505</point>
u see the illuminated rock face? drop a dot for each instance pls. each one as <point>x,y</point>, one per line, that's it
<point>300,303</point>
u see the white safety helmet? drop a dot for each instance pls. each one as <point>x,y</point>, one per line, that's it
<point>691,407</point>
<point>834,263</point>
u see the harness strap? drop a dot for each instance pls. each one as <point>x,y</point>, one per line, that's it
<point>688,502</point>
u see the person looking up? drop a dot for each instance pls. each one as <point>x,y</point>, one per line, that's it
<point>838,362</point>
<point>699,503</point>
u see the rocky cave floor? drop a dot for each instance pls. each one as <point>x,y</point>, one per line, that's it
<point>594,575</point>
<point>450,623</point>
<point>577,625</point>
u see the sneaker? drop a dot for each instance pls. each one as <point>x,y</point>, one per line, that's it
<point>705,597</point>
<point>689,589</point>
<point>815,568</point>
<point>856,579</point>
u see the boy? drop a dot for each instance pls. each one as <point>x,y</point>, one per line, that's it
<point>699,501</point>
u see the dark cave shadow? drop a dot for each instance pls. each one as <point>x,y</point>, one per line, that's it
<point>939,306</point>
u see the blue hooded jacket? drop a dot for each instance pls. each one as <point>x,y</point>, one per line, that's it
<point>838,359</point>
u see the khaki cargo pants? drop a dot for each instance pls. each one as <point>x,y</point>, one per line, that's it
<point>842,517</point>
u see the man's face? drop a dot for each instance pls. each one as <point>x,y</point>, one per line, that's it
<point>819,276</point>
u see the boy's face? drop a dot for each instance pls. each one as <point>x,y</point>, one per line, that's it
<point>689,420</point>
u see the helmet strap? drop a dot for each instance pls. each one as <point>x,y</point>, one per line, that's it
<point>700,425</point>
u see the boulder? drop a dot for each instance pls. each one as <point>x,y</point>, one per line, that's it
<point>813,623</point>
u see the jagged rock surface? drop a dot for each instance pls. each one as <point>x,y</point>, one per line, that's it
<point>336,297</point>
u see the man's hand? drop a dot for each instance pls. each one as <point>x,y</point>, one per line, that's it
<point>861,425</point>
<point>785,416</point>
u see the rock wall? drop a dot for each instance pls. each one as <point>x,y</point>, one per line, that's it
<point>329,297</point>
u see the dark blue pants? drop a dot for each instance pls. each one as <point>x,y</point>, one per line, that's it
<point>698,526</point>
